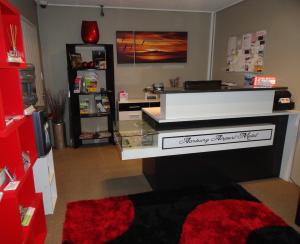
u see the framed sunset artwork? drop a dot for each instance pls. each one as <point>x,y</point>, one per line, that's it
<point>125,47</point>
<point>151,47</point>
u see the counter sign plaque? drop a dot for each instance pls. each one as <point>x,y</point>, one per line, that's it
<point>249,137</point>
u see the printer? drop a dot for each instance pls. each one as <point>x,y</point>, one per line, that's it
<point>283,100</point>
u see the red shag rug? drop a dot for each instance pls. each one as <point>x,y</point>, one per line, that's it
<point>206,215</point>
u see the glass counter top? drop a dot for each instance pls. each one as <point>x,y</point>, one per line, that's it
<point>134,134</point>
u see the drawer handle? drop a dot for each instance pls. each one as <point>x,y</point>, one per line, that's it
<point>134,106</point>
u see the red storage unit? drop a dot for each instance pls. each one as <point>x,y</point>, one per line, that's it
<point>16,138</point>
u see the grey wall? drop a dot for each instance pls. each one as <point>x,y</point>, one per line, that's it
<point>28,9</point>
<point>61,25</point>
<point>281,19</point>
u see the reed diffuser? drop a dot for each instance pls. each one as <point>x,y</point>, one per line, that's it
<point>13,54</point>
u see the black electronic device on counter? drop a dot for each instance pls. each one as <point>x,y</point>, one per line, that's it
<point>283,100</point>
<point>41,131</point>
<point>158,86</point>
<point>202,84</point>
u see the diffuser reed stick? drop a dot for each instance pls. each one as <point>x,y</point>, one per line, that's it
<point>13,36</point>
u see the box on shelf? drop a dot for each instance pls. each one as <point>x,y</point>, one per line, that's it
<point>123,96</point>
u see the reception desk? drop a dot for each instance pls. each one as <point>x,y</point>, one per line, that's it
<point>213,137</point>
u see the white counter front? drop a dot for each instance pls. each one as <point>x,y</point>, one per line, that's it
<point>208,104</point>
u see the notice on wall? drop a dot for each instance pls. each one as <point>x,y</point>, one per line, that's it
<point>251,137</point>
<point>246,53</point>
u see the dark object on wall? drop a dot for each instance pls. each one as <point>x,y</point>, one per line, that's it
<point>89,32</point>
<point>297,220</point>
<point>43,3</point>
<point>41,131</point>
<point>283,100</point>
<point>151,47</point>
<point>202,84</point>
<point>101,11</point>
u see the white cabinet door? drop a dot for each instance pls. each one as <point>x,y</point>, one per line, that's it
<point>130,115</point>
<point>44,181</point>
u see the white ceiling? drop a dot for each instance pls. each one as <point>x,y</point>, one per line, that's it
<point>177,5</point>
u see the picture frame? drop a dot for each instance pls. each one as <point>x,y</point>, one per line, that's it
<point>151,47</point>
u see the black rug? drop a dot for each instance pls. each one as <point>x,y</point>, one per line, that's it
<point>211,215</point>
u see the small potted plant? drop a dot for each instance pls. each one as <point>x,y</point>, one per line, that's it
<point>56,105</point>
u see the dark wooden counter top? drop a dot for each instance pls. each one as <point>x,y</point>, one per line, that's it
<point>221,89</point>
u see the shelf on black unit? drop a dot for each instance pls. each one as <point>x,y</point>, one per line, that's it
<point>95,137</point>
<point>87,69</point>
<point>94,115</point>
<point>92,93</point>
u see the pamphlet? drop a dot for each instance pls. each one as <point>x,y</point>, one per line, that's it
<point>28,215</point>
<point>12,186</point>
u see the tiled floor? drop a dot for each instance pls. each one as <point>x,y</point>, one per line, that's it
<point>97,172</point>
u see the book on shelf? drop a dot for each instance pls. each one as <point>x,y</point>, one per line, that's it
<point>90,80</point>
<point>99,106</point>
<point>94,135</point>
<point>105,103</point>
<point>77,83</point>
<point>99,58</point>
<point>86,135</point>
<point>84,106</point>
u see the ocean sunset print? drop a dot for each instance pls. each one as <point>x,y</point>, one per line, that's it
<point>125,47</point>
<point>152,47</point>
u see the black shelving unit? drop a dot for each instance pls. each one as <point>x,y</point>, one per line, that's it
<point>75,116</point>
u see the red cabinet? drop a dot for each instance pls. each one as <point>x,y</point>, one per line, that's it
<point>16,140</point>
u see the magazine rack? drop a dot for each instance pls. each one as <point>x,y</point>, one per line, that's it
<point>90,121</point>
